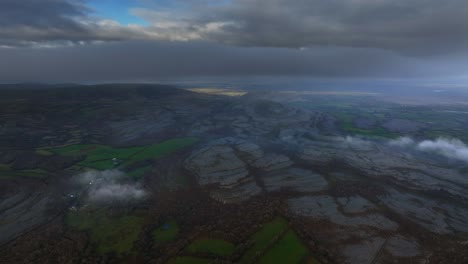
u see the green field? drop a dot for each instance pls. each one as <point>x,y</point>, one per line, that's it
<point>101,157</point>
<point>347,125</point>
<point>107,234</point>
<point>217,247</point>
<point>7,172</point>
<point>264,237</point>
<point>161,149</point>
<point>138,173</point>
<point>43,152</point>
<point>188,260</point>
<point>166,233</point>
<point>288,250</point>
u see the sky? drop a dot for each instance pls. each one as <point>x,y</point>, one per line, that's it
<point>144,40</point>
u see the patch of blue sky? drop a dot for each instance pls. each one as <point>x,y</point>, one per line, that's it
<point>118,10</point>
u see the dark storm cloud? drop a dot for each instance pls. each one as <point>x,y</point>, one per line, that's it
<point>404,26</point>
<point>39,20</point>
<point>357,38</point>
<point>407,26</point>
<point>152,60</point>
<point>40,13</point>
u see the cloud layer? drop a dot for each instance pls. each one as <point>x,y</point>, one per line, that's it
<point>448,147</point>
<point>404,26</point>
<point>333,38</point>
<point>152,60</point>
<point>109,186</point>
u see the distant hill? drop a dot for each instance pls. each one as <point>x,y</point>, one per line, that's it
<point>66,91</point>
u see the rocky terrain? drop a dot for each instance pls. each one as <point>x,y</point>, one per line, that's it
<point>351,198</point>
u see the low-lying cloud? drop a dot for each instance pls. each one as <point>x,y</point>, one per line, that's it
<point>451,148</point>
<point>357,142</point>
<point>109,186</point>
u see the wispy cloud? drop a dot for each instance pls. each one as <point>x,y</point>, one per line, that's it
<point>451,148</point>
<point>356,142</point>
<point>109,186</point>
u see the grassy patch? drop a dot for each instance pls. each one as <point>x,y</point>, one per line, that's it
<point>166,233</point>
<point>107,234</point>
<point>161,149</point>
<point>288,250</point>
<point>43,152</point>
<point>188,260</point>
<point>348,126</point>
<point>138,173</point>
<point>217,247</point>
<point>101,157</point>
<point>7,172</point>
<point>264,237</point>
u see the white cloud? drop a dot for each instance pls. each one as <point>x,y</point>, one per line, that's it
<point>401,142</point>
<point>357,142</point>
<point>450,148</point>
<point>116,192</point>
<point>109,186</point>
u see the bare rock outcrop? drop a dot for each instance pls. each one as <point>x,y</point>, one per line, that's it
<point>217,165</point>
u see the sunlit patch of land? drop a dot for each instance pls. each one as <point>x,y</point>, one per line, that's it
<point>218,91</point>
<point>341,93</point>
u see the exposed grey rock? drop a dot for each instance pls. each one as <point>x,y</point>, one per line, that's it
<point>249,151</point>
<point>271,162</point>
<point>294,178</point>
<point>364,252</point>
<point>217,164</point>
<point>325,207</point>
<point>204,126</point>
<point>314,153</point>
<point>237,193</point>
<point>21,213</point>
<point>276,113</point>
<point>148,124</point>
<point>380,161</point>
<point>437,216</point>
<point>399,246</point>
<point>355,204</point>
